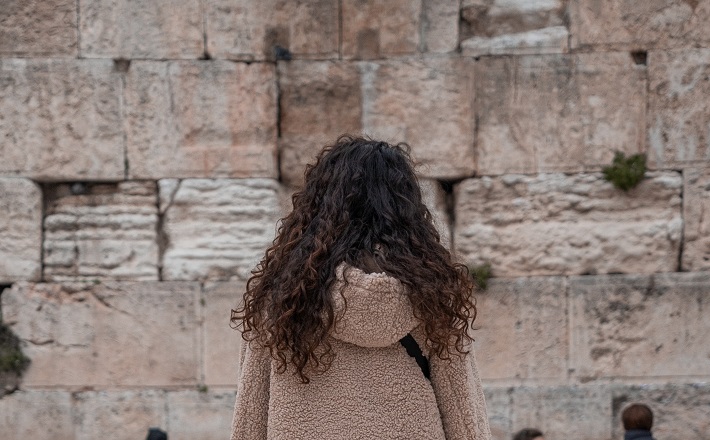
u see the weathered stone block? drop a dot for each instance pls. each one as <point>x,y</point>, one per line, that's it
<point>434,198</point>
<point>254,29</point>
<point>552,224</point>
<point>522,329</point>
<point>440,26</point>
<point>141,29</point>
<point>679,83</point>
<point>200,415</point>
<point>222,343</point>
<point>217,229</point>
<point>110,334</point>
<point>679,410</point>
<point>640,326</point>
<point>101,231</point>
<point>659,23</point>
<point>539,41</point>
<point>565,113</point>
<point>201,119</point>
<point>499,402</point>
<point>37,415</point>
<point>696,213</point>
<point>61,119</point>
<point>20,229</point>
<point>38,28</point>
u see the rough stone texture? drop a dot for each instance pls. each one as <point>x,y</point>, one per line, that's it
<point>434,198</point>
<point>319,101</point>
<point>440,25</point>
<point>201,119</point>
<point>681,411</point>
<point>539,41</point>
<point>110,334</point>
<point>565,113</point>
<point>101,231</point>
<point>640,326</point>
<point>200,415</point>
<point>38,28</point>
<point>20,229</point>
<point>679,83</point>
<point>522,329</point>
<point>251,29</point>
<point>499,402</point>
<point>696,213</point>
<point>37,415</point>
<point>553,224</point>
<point>636,24</point>
<point>222,344</point>
<point>60,119</point>
<point>141,29</point>
<point>217,229</point>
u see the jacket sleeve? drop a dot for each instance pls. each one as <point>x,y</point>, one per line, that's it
<point>459,395</point>
<point>252,405</point>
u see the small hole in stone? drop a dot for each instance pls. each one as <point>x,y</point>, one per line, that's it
<point>78,188</point>
<point>639,57</point>
<point>121,65</point>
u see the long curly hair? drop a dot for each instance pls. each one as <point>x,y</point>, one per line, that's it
<point>360,196</point>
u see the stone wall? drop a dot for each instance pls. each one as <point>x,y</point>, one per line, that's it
<point>148,149</point>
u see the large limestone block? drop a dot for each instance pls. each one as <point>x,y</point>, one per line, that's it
<point>20,230</point>
<point>200,415</point>
<point>37,414</point>
<point>679,84</point>
<point>217,229</point>
<point>539,41</point>
<point>253,29</point>
<point>696,214</point>
<point>101,231</point>
<point>201,119</point>
<point>61,119</point>
<point>106,334</point>
<point>552,224</point>
<point>499,402</point>
<point>440,26</point>
<point>639,24</point>
<point>640,326</point>
<point>554,113</point>
<point>681,411</point>
<point>222,344</point>
<point>38,28</point>
<point>141,29</point>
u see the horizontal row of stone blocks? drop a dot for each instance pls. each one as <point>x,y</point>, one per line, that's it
<point>249,29</point>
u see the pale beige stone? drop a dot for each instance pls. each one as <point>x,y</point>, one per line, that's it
<point>680,410</point>
<point>521,329</point>
<point>37,414</point>
<point>141,29</point>
<point>106,334</point>
<point>538,41</point>
<point>222,343</point>
<point>434,198</point>
<point>20,229</point>
<point>552,224</point>
<point>61,119</point>
<point>696,213</point>
<point>500,18</point>
<point>201,119</point>
<point>251,29</point>
<point>38,28</point>
<point>104,231</point>
<point>200,415</point>
<point>678,134</point>
<point>440,26</point>
<point>499,402</point>
<point>218,229</point>
<point>639,326</point>
<point>639,24</point>
<point>565,113</point>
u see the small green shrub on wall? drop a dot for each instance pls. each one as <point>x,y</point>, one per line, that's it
<point>12,360</point>
<point>480,275</point>
<point>626,172</point>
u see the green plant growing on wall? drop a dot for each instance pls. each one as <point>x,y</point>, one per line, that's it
<point>12,360</point>
<point>480,274</point>
<point>626,172</point>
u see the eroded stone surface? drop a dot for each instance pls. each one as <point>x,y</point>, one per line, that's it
<point>499,403</point>
<point>679,83</point>
<point>253,29</point>
<point>201,119</point>
<point>141,29</point>
<point>20,229</point>
<point>552,224</point>
<point>38,28</point>
<point>440,26</point>
<point>61,119</point>
<point>37,414</point>
<point>200,415</point>
<point>106,334</point>
<point>538,41</point>
<point>222,343</point>
<point>101,231</point>
<point>696,213</point>
<point>217,229</point>
<point>636,326</point>
<point>565,113</point>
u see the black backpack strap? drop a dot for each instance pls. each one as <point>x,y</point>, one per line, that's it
<point>414,351</point>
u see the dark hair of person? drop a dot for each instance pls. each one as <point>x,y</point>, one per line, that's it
<point>527,434</point>
<point>637,416</point>
<point>361,195</point>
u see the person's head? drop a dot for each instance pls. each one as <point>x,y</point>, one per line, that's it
<point>360,194</point>
<point>528,434</point>
<point>637,416</point>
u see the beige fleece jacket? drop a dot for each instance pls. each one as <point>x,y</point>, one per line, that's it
<point>373,389</point>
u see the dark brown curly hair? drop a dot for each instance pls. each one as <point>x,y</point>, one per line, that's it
<point>359,196</point>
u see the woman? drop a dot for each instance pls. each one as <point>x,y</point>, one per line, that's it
<point>356,267</point>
